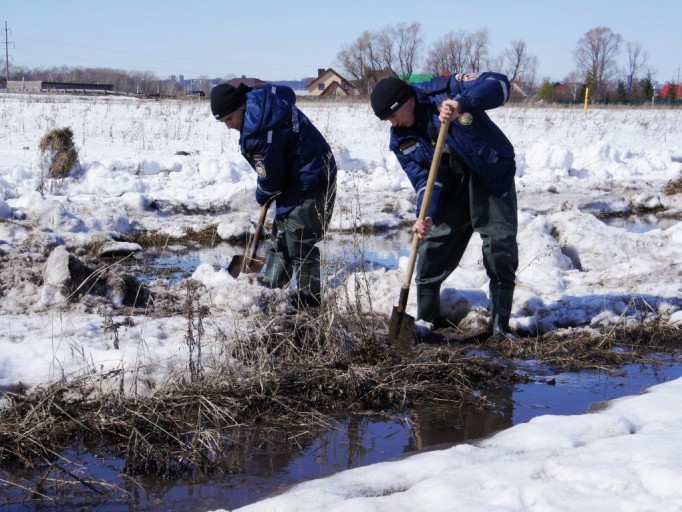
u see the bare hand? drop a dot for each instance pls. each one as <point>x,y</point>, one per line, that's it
<point>422,227</point>
<point>449,109</point>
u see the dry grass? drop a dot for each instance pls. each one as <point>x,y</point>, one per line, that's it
<point>303,373</point>
<point>673,187</point>
<point>293,378</point>
<point>286,386</point>
<point>58,148</point>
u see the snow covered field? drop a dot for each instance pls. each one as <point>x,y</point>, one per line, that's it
<point>167,168</point>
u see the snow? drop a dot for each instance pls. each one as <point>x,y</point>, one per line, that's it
<point>167,167</point>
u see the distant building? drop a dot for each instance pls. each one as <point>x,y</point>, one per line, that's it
<point>330,83</point>
<point>673,90</point>
<point>416,78</point>
<point>39,86</point>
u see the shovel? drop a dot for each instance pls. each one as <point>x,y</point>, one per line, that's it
<point>401,325</point>
<point>249,263</point>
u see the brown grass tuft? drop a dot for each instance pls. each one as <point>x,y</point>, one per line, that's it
<point>673,187</point>
<point>58,146</point>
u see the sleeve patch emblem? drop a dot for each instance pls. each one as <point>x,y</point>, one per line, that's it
<point>465,118</point>
<point>259,165</point>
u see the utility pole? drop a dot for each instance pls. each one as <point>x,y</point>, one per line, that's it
<point>7,43</point>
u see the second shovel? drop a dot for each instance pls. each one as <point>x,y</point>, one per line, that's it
<point>249,262</point>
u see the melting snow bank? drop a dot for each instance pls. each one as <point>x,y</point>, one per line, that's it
<point>625,456</point>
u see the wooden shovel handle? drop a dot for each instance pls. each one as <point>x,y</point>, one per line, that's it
<point>433,172</point>
<point>259,226</point>
<point>259,230</point>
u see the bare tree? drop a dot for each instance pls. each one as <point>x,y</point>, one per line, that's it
<point>353,59</point>
<point>595,55</point>
<point>409,43</point>
<point>383,45</point>
<point>637,58</point>
<point>392,48</point>
<point>447,55</point>
<point>516,59</point>
<point>519,65</point>
<point>478,50</point>
<point>458,51</point>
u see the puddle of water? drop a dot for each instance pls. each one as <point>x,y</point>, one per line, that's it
<point>575,393</point>
<point>359,441</point>
<point>639,223</point>
<point>340,254</point>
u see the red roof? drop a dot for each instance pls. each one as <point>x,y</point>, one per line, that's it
<point>666,89</point>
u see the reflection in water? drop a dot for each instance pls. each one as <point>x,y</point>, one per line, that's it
<point>341,253</point>
<point>440,427</point>
<point>265,465</point>
<point>640,223</point>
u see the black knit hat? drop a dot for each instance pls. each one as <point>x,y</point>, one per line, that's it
<point>388,96</point>
<point>226,98</point>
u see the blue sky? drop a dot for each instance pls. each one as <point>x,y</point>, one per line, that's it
<point>291,39</point>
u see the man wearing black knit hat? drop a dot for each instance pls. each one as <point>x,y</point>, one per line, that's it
<point>474,189</point>
<point>296,169</point>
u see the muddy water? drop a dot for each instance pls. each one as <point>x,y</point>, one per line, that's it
<point>356,441</point>
<point>340,252</point>
<point>359,441</point>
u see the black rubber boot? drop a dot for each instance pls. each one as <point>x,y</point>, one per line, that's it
<point>501,298</point>
<point>428,305</point>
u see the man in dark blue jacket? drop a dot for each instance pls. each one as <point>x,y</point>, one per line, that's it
<point>474,189</point>
<point>296,169</point>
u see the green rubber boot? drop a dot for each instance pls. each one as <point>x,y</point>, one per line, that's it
<point>277,269</point>
<point>501,298</point>
<point>428,304</point>
<point>309,289</point>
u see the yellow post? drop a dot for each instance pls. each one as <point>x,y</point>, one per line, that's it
<point>587,90</point>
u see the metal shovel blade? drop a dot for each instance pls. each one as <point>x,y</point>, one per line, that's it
<point>244,264</point>
<point>400,328</point>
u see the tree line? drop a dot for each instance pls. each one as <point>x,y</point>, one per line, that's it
<point>399,50</point>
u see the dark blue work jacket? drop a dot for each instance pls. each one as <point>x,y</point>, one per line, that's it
<point>474,139</point>
<point>291,157</point>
